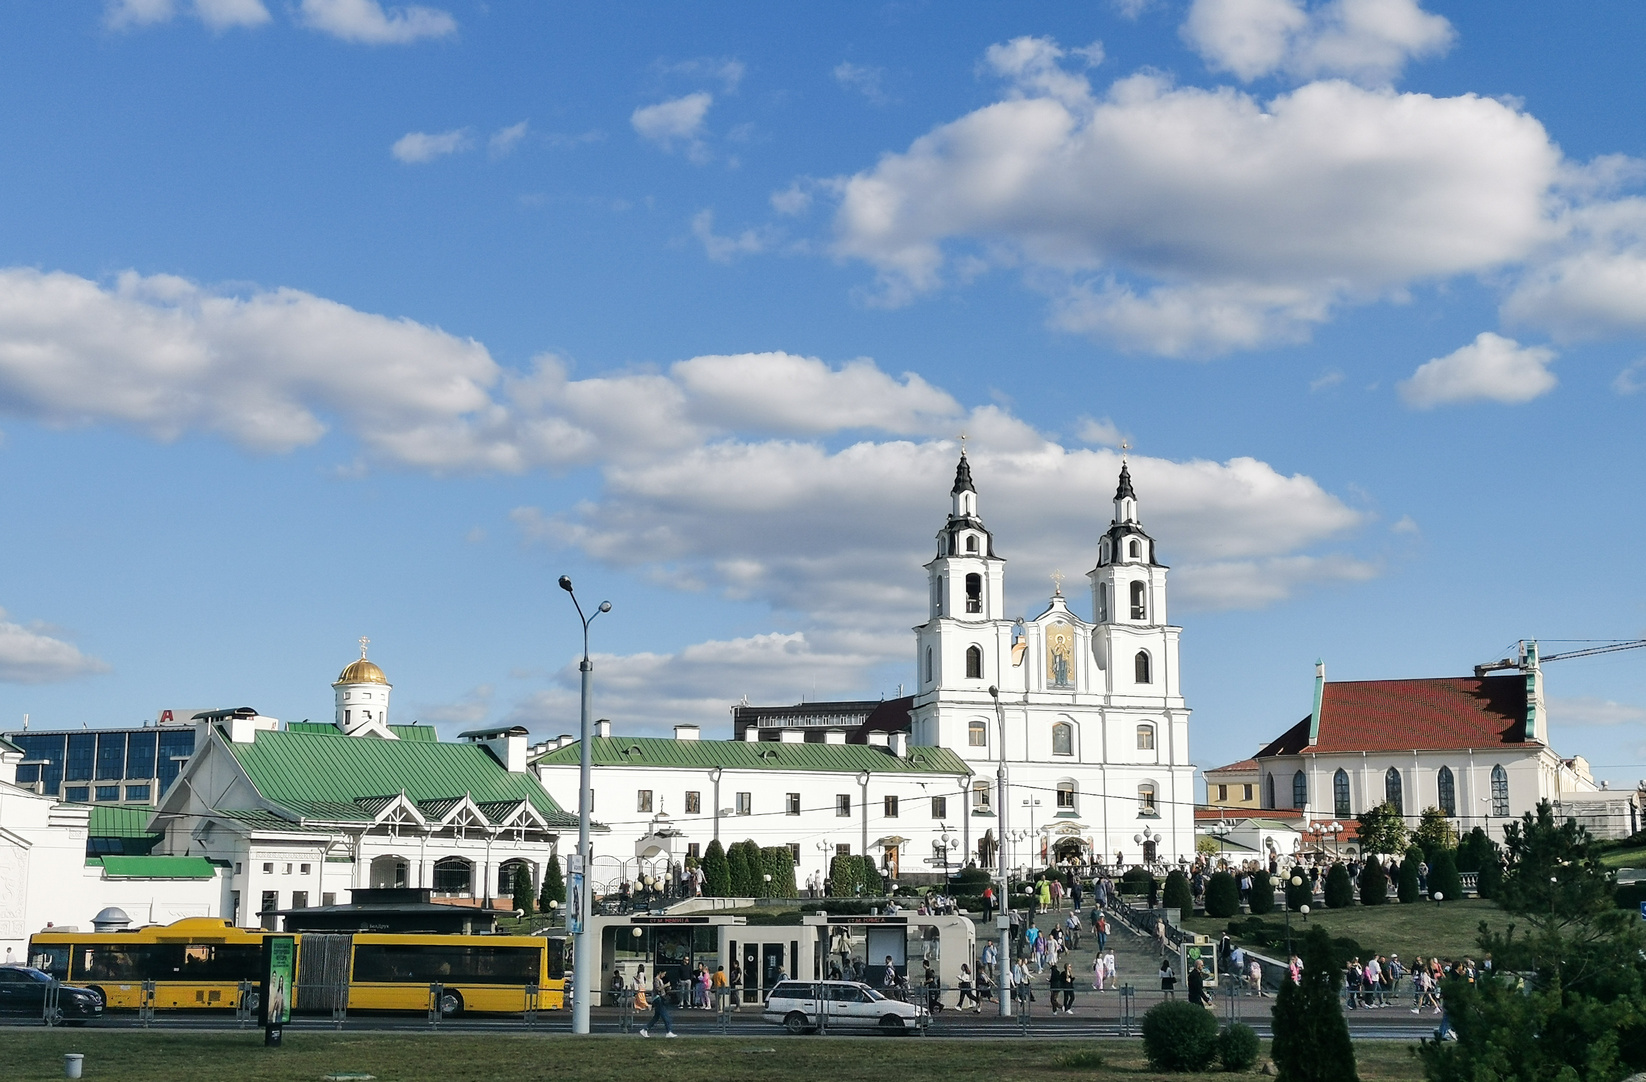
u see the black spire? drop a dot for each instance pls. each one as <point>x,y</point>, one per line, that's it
<point>962,477</point>
<point>1125,492</point>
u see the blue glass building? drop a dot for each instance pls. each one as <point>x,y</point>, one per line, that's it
<point>103,766</point>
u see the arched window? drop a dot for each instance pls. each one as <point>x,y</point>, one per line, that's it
<point>1340,794</point>
<point>1066,797</point>
<point>1500,790</point>
<point>506,873</point>
<point>1062,738</point>
<point>453,875</point>
<point>1102,602</point>
<point>977,734</point>
<point>971,542</point>
<point>1300,790</point>
<point>1392,793</point>
<point>1103,551</point>
<point>1135,549</point>
<point>1140,611</point>
<point>928,664</point>
<point>1145,737</point>
<point>1447,787</point>
<point>1146,799</point>
<point>974,593</point>
<point>974,662</point>
<point>1269,791</point>
<point>1141,665</point>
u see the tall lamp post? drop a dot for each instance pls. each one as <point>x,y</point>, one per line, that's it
<point>582,950</point>
<point>1003,919</point>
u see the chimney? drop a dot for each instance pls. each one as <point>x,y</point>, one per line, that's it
<point>513,749</point>
<point>751,734</point>
<point>603,727</point>
<point>878,740</point>
<point>242,729</point>
<point>687,732</point>
<point>838,736</point>
<point>792,736</point>
<point>900,744</point>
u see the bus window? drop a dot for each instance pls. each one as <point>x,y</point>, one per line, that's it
<point>222,961</point>
<point>557,959</point>
<point>52,959</point>
<point>122,962</point>
<point>444,964</point>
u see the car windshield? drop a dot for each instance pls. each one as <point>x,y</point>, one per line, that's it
<point>873,994</point>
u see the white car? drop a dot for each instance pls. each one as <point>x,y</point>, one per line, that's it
<point>799,1006</point>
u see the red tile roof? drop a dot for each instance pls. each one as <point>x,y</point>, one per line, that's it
<point>1408,715</point>
<point>1244,766</point>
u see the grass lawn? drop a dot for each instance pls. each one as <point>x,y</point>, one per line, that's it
<point>27,1055</point>
<point>1421,928</point>
<point>1625,858</point>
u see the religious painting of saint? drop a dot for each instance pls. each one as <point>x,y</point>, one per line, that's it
<point>1060,655</point>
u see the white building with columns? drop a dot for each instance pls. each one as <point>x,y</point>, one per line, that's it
<point>1091,712</point>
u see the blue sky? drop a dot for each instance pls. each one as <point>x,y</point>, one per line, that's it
<point>330,318</point>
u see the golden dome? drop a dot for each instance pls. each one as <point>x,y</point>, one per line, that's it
<point>361,672</point>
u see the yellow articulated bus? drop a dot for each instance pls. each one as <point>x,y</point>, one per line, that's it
<point>200,962</point>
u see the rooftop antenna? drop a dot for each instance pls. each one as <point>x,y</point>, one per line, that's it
<point>25,723</point>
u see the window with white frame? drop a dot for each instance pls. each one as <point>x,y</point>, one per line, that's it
<point>745,803</point>
<point>643,801</point>
<point>1146,804</point>
<point>977,734</point>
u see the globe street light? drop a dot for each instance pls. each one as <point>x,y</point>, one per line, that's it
<point>582,948</point>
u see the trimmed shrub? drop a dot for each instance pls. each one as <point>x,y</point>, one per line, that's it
<point>1179,1036</point>
<point>1489,880</point>
<point>737,864</point>
<point>554,887</point>
<point>843,876</point>
<point>717,874</point>
<point>1443,876</point>
<point>1237,1047</point>
<point>1261,899</point>
<point>523,889</point>
<point>1338,893</point>
<point>778,862</point>
<point>1374,884</point>
<point>1409,880</point>
<point>1222,895</point>
<point>1177,894</point>
<point>1136,881</point>
<point>1300,894</point>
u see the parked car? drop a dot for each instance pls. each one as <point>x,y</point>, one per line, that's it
<point>23,992</point>
<point>801,1006</point>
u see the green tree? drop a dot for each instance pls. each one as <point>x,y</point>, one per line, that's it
<point>1435,832</point>
<point>1374,884</point>
<point>1443,878</point>
<point>1339,892</point>
<point>1382,830</point>
<point>737,866</point>
<point>1177,894</point>
<point>1261,898</point>
<point>778,862</point>
<point>1411,889</point>
<point>522,890</point>
<point>1311,1039</point>
<point>844,872</point>
<point>1299,893</point>
<point>1475,850</point>
<point>554,887</point>
<point>717,873</point>
<point>1222,895</point>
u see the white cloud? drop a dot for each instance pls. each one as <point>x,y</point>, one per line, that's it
<point>471,709</point>
<point>504,140</point>
<point>1191,221</point>
<point>1489,369</point>
<point>1365,40</point>
<point>29,656</point>
<point>728,71</point>
<point>1130,9</point>
<point>367,22</point>
<point>1592,282</point>
<point>725,249</point>
<point>793,200</point>
<point>676,121</point>
<point>416,147</point>
<point>1326,380</point>
<point>216,14</point>
<point>1104,433</point>
<point>865,80</point>
<point>1589,710</point>
<point>1405,525</point>
<point>1632,380</point>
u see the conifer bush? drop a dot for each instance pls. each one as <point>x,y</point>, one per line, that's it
<point>1261,898</point>
<point>1222,895</point>
<point>1409,885</point>
<point>1177,894</point>
<point>1298,894</point>
<point>1374,884</point>
<point>1339,892</point>
<point>1311,1038</point>
<point>523,890</point>
<point>717,873</point>
<point>554,887</point>
<point>1443,877</point>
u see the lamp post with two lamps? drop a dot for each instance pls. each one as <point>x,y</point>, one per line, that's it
<point>582,949</point>
<point>1296,881</point>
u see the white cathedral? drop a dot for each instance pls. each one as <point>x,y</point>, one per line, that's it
<point>1095,729</point>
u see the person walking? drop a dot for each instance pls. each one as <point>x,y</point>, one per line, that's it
<point>1099,972</point>
<point>988,903</point>
<point>967,991</point>
<point>1160,936</point>
<point>1168,979</point>
<point>1197,986</point>
<point>660,1007</point>
<point>1068,987</point>
<point>1109,971</point>
<point>1254,974</point>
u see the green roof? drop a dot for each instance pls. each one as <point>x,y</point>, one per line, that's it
<point>758,755</point>
<point>325,728</point>
<point>157,868</point>
<point>327,777</point>
<point>115,821</point>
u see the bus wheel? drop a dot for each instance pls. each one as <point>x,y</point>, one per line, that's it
<point>451,1005</point>
<point>795,1023</point>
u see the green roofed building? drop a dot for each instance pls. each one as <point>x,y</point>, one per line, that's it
<point>303,816</point>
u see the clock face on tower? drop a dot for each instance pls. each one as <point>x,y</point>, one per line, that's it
<point>1059,655</point>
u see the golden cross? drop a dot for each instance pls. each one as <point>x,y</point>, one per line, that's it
<point>1125,445</point>
<point>1057,583</point>
<point>963,443</point>
<point>364,642</point>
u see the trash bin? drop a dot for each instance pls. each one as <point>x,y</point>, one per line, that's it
<point>72,1064</point>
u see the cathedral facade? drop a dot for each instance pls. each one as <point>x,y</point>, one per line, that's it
<point>1088,715</point>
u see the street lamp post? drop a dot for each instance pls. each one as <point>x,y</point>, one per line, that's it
<point>582,949</point>
<point>863,781</point>
<point>1003,919</point>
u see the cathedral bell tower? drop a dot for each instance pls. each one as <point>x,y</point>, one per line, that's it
<point>1129,602</point>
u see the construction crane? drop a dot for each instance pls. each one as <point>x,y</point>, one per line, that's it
<point>1511,663</point>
